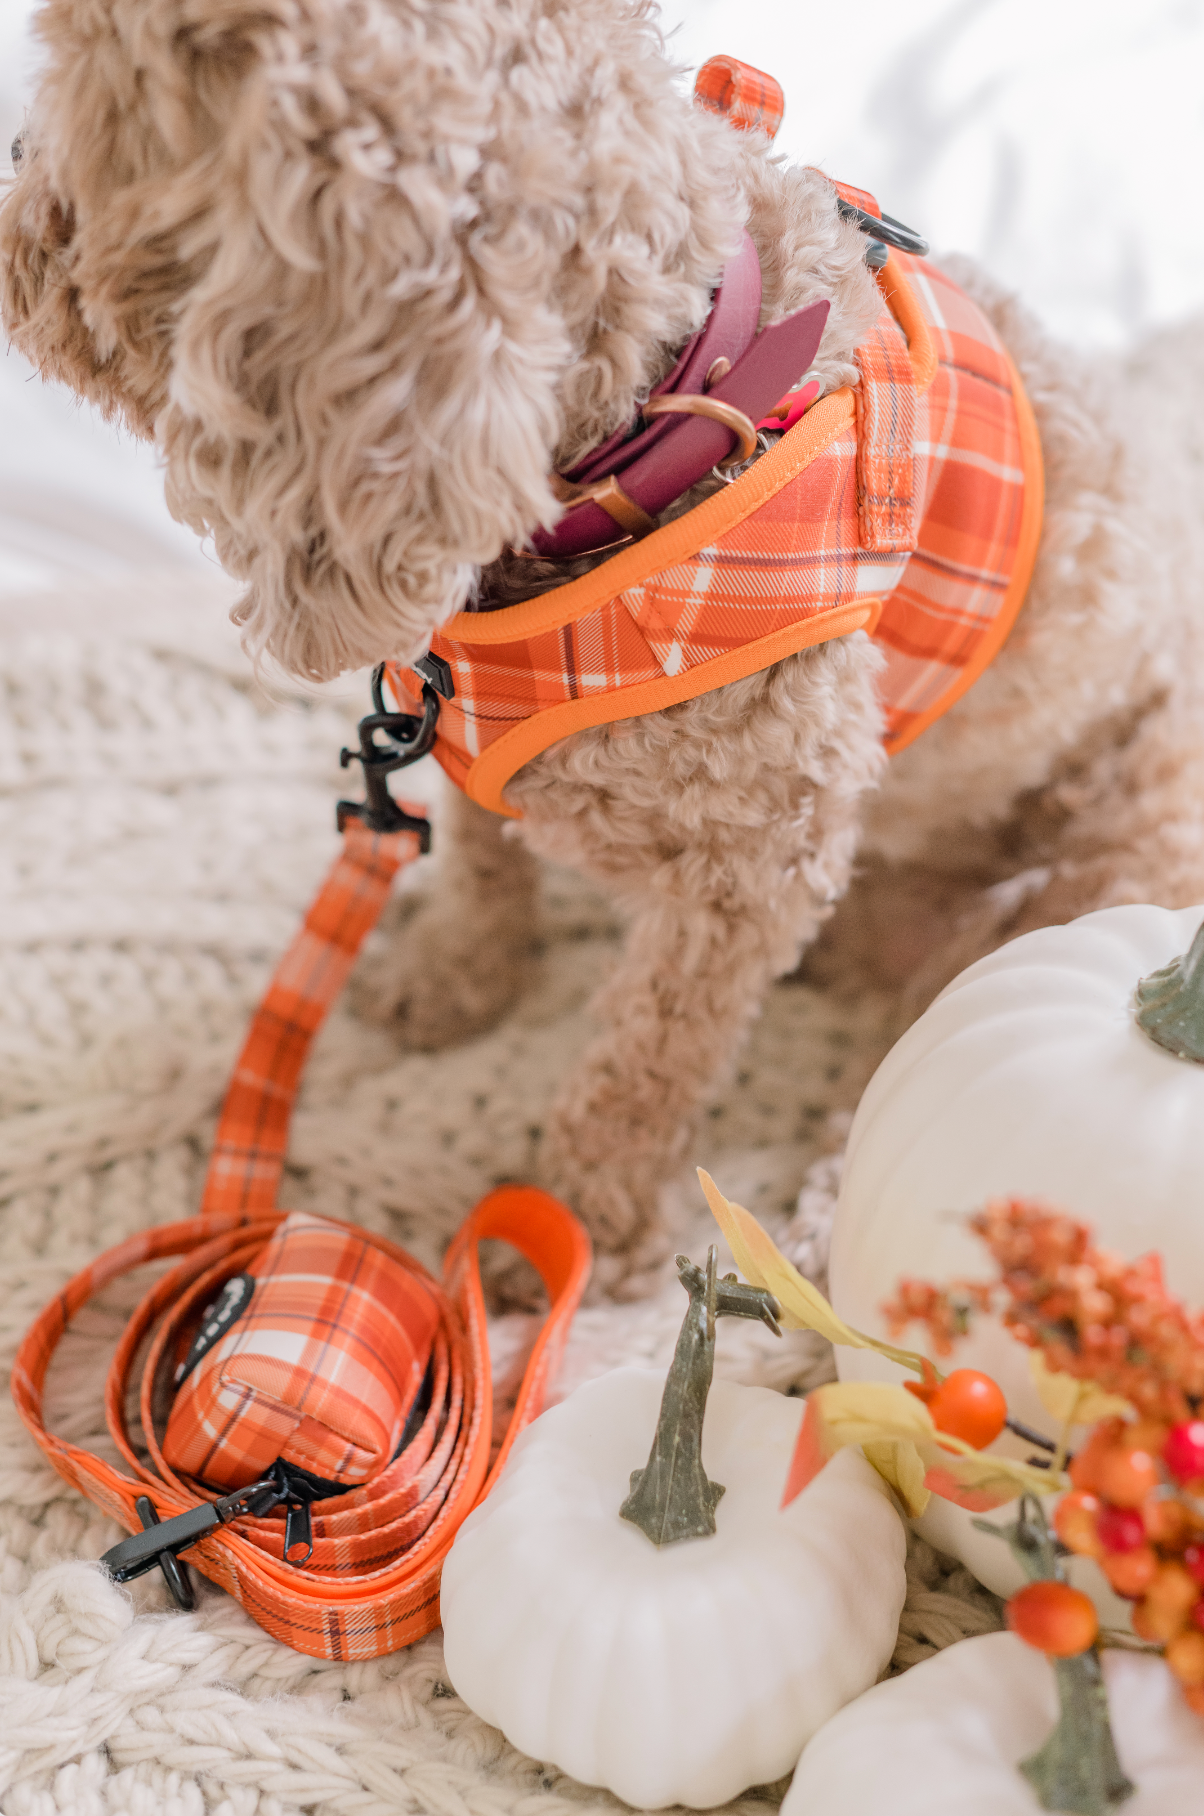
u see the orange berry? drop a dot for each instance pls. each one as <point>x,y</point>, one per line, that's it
<point>1126,1477</point>
<point>970,1406</point>
<point>1130,1572</point>
<point>1193,1696</point>
<point>1166,1522</point>
<point>1156,1622</point>
<point>1185,1656</point>
<point>1145,1626</point>
<point>1085,1463</point>
<point>1173,1589</point>
<point>1146,1434</point>
<point>1076,1522</point>
<point>1054,1618</point>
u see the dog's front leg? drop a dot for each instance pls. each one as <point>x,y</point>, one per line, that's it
<point>675,1014</point>
<point>452,961</point>
<point>727,827</point>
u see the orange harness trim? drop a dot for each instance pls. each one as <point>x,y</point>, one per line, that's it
<point>372,1583</point>
<point>910,507</point>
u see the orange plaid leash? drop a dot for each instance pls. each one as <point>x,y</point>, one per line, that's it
<point>371,1582</point>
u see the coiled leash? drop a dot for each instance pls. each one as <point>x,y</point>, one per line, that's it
<point>341,1561</point>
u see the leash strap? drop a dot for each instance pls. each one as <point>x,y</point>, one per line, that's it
<point>371,1582</point>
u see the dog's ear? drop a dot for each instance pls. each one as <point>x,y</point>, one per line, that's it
<point>270,232</point>
<point>355,264</point>
<point>363,399</point>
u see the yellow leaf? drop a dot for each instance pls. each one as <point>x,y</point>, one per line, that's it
<point>902,1468</point>
<point>803,1306</point>
<point>981,1482</point>
<point>889,1423</point>
<point>862,1412</point>
<point>1071,1401</point>
<point>883,1418</point>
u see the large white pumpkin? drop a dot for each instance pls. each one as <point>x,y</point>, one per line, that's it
<point>945,1738</point>
<point>687,1673</point>
<point>1027,1077</point>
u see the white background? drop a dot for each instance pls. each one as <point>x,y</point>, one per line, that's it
<point>1060,141</point>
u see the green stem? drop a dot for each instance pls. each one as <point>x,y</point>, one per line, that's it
<point>672,1497</point>
<point>1076,1771</point>
<point>1170,1003</point>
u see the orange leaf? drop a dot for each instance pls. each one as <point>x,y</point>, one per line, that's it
<point>974,1500</point>
<point>810,1453</point>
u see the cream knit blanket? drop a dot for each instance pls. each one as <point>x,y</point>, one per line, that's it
<point>162,825</point>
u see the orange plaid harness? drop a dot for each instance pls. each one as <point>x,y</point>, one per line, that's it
<point>909,506</point>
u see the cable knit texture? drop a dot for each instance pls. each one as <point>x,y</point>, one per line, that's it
<point>162,824</point>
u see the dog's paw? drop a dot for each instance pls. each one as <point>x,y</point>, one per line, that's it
<point>619,1204</point>
<point>437,982</point>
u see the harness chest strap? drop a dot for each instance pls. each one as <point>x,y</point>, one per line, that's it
<point>372,1582</point>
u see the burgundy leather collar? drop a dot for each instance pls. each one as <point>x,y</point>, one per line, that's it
<point>621,487</point>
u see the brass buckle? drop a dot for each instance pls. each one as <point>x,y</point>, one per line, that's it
<point>688,403</point>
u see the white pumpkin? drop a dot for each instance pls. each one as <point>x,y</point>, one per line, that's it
<point>945,1738</point>
<point>687,1673</point>
<point>1027,1077</point>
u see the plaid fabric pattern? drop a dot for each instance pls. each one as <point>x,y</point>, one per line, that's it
<point>918,502</point>
<point>320,1370</point>
<point>371,1584</point>
<point>973,473</point>
<point>745,96</point>
<point>252,1135</point>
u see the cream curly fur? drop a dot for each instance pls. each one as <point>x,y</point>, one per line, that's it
<point>368,271</point>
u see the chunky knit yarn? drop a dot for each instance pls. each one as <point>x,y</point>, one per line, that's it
<point>162,823</point>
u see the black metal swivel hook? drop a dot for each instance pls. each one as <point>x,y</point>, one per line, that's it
<point>883,231</point>
<point>409,736</point>
<point>160,1540</point>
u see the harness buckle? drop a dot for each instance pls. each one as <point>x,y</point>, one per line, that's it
<point>409,736</point>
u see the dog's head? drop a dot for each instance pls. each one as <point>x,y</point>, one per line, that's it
<point>365,270</point>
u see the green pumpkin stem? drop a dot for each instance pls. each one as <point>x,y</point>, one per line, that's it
<point>672,1497</point>
<point>1077,1771</point>
<point>1170,1003</point>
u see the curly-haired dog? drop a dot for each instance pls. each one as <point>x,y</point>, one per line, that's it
<point>370,272</point>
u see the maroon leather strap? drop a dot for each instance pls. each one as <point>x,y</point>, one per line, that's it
<point>672,453</point>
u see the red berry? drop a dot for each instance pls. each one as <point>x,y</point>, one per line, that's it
<point>1183,1451</point>
<point>1120,1528</point>
<point>1054,1618</point>
<point>1197,1614</point>
<point>970,1406</point>
<point>1193,1557</point>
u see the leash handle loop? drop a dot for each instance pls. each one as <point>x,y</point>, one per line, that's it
<point>371,1583</point>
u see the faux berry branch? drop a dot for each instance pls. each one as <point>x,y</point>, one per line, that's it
<point>1110,1349</point>
<point>1137,1499</point>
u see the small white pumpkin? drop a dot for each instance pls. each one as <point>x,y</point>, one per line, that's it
<point>1027,1077</point>
<point>687,1673</point>
<point>945,1739</point>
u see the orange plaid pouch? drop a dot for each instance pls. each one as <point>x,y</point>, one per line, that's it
<point>311,1360</point>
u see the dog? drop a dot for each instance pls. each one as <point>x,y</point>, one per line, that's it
<point>370,273</point>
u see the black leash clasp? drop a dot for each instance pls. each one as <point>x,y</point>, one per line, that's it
<point>160,1540</point>
<point>409,736</point>
<point>883,231</point>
